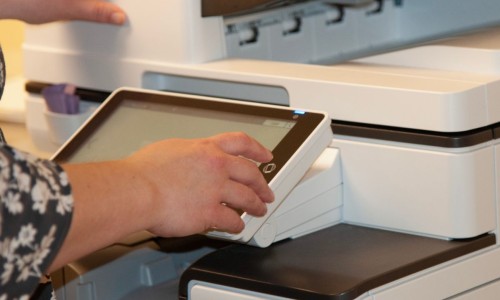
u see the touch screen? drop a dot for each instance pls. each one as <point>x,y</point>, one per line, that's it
<point>131,119</point>
<point>135,124</point>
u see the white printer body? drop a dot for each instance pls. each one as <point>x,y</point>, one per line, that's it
<point>416,126</point>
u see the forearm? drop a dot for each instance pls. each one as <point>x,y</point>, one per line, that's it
<point>9,9</point>
<point>109,204</point>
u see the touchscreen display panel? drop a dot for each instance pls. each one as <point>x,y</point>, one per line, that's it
<point>129,120</point>
<point>135,124</point>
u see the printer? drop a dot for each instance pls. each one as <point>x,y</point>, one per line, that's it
<point>410,183</point>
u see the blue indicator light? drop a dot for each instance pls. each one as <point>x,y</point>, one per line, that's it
<point>299,112</point>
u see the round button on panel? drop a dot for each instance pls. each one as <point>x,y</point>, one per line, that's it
<point>269,168</point>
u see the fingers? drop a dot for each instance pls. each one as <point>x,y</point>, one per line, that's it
<point>242,170</point>
<point>238,143</point>
<point>246,173</point>
<point>240,197</point>
<point>32,12</point>
<point>99,11</point>
<point>246,190</point>
<point>228,220</point>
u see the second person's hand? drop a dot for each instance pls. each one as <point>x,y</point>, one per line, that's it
<point>45,11</point>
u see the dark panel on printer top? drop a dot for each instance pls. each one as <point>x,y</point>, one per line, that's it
<point>336,263</point>
<point>210,8</point>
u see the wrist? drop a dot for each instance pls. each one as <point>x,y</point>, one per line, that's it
<point>141,193</point>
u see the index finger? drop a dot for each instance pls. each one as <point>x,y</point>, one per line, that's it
<point>99,11</point>
<point>241,144</point>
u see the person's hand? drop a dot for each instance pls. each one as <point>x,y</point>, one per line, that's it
<point>200,183</point>
<point>45,11</point>
<point>172,188</point>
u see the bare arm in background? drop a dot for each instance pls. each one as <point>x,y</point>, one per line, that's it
<point>45,11</point>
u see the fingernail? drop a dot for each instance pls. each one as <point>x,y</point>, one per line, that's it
<point>271,196</point>
<point>118,18</point>
<point>271,156</point>
<point>264,212</point>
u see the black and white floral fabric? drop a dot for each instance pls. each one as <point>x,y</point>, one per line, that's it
<point>35,215</point>
<point>2,84</point>
<point>2,72</point>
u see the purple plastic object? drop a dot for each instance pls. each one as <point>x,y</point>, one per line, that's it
<point>61,98</point>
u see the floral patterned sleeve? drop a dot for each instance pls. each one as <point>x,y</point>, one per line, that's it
<point>35,215</point>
